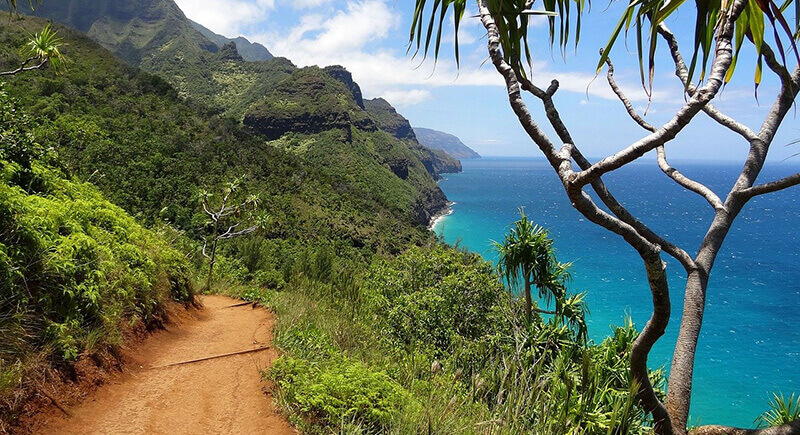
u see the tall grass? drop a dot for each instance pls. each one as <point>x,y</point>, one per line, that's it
<point>497,375</point>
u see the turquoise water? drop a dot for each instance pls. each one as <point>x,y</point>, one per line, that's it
<point>750,344</point>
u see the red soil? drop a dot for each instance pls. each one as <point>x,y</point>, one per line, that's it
<point>222,395</point>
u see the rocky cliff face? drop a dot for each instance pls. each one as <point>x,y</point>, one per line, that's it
<point>387,118</point>
<point>228,52</point>
<point>308,101</point>
<point>448,143</point>
<point>340,73</point>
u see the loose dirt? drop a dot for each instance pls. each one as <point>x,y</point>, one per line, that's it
<point>216,396</point>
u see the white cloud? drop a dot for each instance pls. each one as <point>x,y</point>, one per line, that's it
<point>303,4</point>
<point>400,99</point>
<point>227,17</point>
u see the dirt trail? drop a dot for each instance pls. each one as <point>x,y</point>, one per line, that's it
<point>218,396</point>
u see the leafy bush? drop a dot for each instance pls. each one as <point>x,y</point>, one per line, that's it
<point>339,392</point>
<point>435,298</point>
<point>73,266</point>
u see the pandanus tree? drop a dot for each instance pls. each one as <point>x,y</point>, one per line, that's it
<point>527,259</point>
<point>41,50</point>
<point>721,28</point>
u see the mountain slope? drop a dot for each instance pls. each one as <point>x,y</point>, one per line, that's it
<point>150,151</point>
<point>314,113</point>
<point>275,98</point>
<point>250,51</point>
<point>136,31</point>
<point>156,36</point>
<point>446,142</point>
<point>435,161</point>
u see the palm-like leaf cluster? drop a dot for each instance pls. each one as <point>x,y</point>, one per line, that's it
<point>783,410</point>
<point>644,17</point>
<point>45,46</point>
<point>527,258</point>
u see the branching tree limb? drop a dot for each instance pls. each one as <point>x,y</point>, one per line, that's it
<point>217,215</point>
<point>682,72</point>
<point>775,186</point>
<point>25,68</point>
<point>561,162</point>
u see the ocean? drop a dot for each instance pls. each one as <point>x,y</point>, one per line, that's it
<point>750,343</point>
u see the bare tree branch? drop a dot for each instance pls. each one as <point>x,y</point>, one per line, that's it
<point>624,99</point>
<point>670,171</point>
<point>22,67</point>
<point>688,183</point>
<point>701,97</point>
<point>775,186</point>
<point>682,72</point>
<point>598,185</point>
<point>772,62</point>
<point>230,235</point>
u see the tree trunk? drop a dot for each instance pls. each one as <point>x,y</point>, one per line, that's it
<point>680,379</point>
<point>679,389</point>
<point>528,301</point>
<point>211,263</point>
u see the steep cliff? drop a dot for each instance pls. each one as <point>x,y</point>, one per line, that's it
<point>445,142</point>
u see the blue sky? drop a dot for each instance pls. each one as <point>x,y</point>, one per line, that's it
<point>369,37</point>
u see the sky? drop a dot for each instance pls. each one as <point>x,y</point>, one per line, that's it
<point>370,37</point>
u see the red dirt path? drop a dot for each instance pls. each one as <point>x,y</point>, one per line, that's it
<point>219,396</point>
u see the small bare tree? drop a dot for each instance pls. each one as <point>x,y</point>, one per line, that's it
<point>221,215</point>
<point>721,29</point>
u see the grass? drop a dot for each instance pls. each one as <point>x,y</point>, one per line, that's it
<point>467,365</point>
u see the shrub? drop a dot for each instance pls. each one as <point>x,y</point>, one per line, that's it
<point>340,392</point>
<point>435,298</point>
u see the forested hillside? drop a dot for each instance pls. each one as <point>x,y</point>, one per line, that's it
<point>151,151</point>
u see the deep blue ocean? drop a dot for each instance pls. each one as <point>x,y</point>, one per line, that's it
<point>750,344</point>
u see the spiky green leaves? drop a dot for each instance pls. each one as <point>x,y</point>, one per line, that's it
<point>783,410</point>
<point>45,46</point>
<point>512,18</point>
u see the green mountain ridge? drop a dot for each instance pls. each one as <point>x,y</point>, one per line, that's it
<point>446,142</point>
<point>435,161</point>
<point>250,51</point>
<point>149,151</point>
<point>219,79</point>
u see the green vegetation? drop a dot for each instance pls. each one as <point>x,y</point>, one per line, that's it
<point>720,32</point>
<point>527,259</point>
<point>430,341</point>
<point>783,410</point>
<point>384,330</point>
<point>435,161</point>
<point>151,152</point>
<point>74,268</point>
